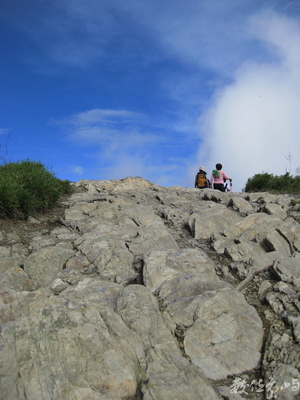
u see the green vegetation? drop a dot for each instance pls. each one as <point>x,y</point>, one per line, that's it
<point>26,188</point>
<point>295,202</point>
<point>274,184</point>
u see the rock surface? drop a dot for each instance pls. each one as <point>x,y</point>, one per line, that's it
<point>139,291</point>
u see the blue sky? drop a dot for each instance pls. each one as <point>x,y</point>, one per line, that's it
<point>104,89</point>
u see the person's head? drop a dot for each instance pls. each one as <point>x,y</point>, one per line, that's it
<point>219,166</point>
<point>202,169</point>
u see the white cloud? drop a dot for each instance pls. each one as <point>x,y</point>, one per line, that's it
<point>114,132</point>
<point>78,170</point>
<point>95,116</point>
<point>254,123</point>
<point>123,143</point>
<point>281,34</point>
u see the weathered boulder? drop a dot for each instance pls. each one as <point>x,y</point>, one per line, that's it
<point>69,350</point>
<point>180,279</point>
<point>226,337</point>
<point>161,266</point>
<point>42,265</point>
<point>17,279</point>
<point>243,251</point>
<point>154,235</point>
<point>215,218</point>
<point>288,269</point>
<point>275,209</point>
<point>139,310</point>
<point>194,297</point>
<point>241,205</point>
<point>254,226</point>
<point>108,253</point>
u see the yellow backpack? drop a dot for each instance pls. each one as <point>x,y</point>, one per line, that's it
<point>201,180</point>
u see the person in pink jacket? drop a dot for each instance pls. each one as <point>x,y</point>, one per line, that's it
<point>218,178</point>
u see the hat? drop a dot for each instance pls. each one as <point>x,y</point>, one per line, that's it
<point>202,169</point>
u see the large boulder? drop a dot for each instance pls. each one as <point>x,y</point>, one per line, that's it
<point>226,337</point>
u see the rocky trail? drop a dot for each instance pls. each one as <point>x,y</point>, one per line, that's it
<point>130,290</point>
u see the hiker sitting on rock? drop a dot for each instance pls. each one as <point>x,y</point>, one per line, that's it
<point>218,178</point>
<point>201,181</point>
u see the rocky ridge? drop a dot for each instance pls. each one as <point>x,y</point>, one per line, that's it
<point>138,291</point>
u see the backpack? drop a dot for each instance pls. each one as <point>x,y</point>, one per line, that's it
<point>201,180</point>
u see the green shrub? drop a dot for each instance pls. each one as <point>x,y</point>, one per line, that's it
<point>27,187</point>
<point>277,184</point>
<point>258,183</point>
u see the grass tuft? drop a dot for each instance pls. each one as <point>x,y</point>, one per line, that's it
<point>27,188</point>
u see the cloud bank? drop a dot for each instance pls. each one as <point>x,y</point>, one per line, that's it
<point>253,124</point>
